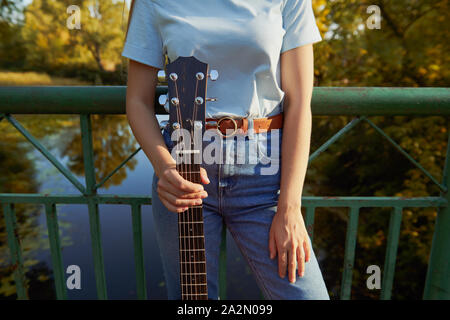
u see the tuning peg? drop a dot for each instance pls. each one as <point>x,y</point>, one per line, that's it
<point>211,99</point>
<point>163,124</point>
<point>163,101</point>
<point>213,75</point>
<point>162,76</point>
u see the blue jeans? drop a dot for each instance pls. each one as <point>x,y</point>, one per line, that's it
<point>244,195</point>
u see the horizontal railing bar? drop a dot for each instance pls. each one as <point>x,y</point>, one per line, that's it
<point>324,201</point>
<point>325,100</point>
<point>74,199</point>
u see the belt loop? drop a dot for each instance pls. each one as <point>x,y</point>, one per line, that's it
<point>250,129</point>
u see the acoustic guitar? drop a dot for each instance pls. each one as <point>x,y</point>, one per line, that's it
<point>185,102</point>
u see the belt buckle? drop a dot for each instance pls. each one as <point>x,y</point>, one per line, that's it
<point>235,126</point>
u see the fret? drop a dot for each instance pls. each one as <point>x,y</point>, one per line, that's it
<point>192,214</point>
<point>187,151</point>
<point>190,281</point>
<point>189,222</point>
<point>194,273</point>
<point>191,237</point>
<point>194,294</point>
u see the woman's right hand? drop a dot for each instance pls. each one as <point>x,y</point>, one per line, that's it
<point>177,193</point>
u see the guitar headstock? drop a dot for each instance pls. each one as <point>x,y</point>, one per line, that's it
<point>187,79</point>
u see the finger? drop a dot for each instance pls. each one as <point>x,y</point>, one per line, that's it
<point>272,245</point>
<point>170,207</point>
<point>183,185</point>
<point>198,195</point>
<point>282,262</point>
<point>301,261</point>
<point>292,264</point>
<point>307,249</point>
<point>182,203</point>
<point>166,187</point>
<point>204,176</point>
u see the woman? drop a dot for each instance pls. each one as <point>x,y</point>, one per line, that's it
<point>263,52</point>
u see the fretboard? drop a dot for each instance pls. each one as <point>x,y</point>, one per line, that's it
<point>192,244</point>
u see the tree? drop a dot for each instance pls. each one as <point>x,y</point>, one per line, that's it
<point>53,46</point>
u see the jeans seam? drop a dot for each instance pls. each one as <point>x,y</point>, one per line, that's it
<point>252,266</point>
<point>219,190</point>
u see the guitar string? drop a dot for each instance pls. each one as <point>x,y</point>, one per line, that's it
<point>199,242</point>
<point>186,288</point>
<point>199,215</point>
<point>196,210</point>
<point>186,214</point>
<point>190,221</point>
<point>179,225</point>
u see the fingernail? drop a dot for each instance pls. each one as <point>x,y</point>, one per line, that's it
<point>198,201</point>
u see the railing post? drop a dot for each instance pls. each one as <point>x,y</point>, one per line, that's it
<point>94,218</point>
<point>437,284</point>
<point>349,255</point>
<point>15,250</point>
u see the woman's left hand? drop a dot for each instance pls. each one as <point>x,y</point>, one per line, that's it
<point>289,239</point>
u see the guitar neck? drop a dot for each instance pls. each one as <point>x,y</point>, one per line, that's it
<point>192,244</point>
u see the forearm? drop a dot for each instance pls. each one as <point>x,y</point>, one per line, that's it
<point>294,155</point>
<point>297,82</point>
<point>146,130</point>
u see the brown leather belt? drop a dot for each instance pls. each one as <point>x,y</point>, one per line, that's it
<point>240,125</point>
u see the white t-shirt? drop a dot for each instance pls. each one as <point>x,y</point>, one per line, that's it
<point>241,39</point>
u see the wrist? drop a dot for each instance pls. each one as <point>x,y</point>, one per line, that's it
<point>289,206</point>
<point>163,167</point>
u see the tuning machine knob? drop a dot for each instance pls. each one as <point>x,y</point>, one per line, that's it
<point>163,124</point>
<point>211,99</point>
<point>162,76</point>
<point>213,75</point>
<point>163,100</point>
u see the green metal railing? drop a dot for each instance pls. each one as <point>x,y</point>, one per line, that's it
<point>358,102</point>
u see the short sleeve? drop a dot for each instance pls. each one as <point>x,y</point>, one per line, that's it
<point>144,43</point>
<point>299,23</point>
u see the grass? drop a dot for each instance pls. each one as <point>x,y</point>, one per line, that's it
<point>12,78</point>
